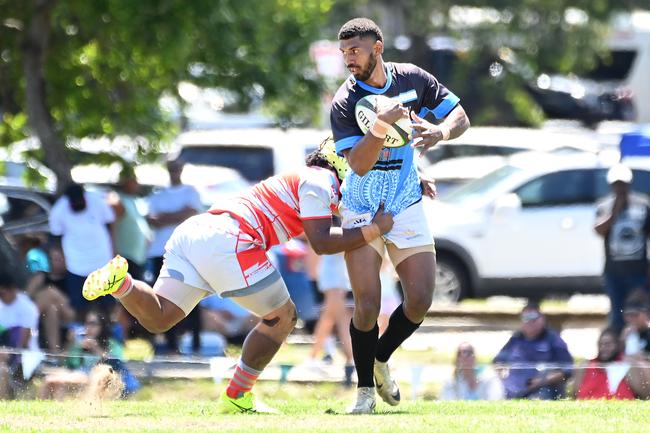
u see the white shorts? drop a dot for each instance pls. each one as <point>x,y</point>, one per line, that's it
<point>210,253</point>
<point>333,273</point>
<point>410,228</point>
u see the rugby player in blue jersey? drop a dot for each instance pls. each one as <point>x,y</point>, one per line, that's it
<point>387,176</point>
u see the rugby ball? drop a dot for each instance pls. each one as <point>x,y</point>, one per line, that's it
<point>366,112</point>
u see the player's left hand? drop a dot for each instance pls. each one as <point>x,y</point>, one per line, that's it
<point>425,135</point>
<point>429,187</point>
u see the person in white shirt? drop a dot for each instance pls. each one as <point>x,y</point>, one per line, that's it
<point>168,208</point>
<point>82,219</point>
<point>471,382</point>
<point>18,329</point>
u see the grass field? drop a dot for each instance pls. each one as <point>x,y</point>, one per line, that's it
<point>184,406</point>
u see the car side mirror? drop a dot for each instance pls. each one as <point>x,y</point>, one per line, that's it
<point>506,206</point>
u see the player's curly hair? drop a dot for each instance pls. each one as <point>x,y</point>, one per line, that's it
<point>361,27</point>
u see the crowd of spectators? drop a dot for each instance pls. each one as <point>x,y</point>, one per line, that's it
<point>535,363</point>
<point>47,313</point>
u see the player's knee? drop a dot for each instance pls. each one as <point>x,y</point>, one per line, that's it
<point>418,304</point>
<point>282,320</point>
<point>367,307</point>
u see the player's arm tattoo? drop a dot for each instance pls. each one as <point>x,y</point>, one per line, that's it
<point>457,121</point>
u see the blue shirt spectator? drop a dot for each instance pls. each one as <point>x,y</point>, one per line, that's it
<point>537,359</point>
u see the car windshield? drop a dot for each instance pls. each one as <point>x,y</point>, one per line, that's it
<point>477,190</point>
<point>254,163</point>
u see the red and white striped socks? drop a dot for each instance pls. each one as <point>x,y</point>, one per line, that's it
<point>242,381</point>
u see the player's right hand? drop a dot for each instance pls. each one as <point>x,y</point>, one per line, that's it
<point>384,220</point>
<point>391,111</point>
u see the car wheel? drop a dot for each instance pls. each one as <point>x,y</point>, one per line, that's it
<point>452,283</point>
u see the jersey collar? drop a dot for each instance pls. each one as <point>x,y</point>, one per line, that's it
<point>376,90</point>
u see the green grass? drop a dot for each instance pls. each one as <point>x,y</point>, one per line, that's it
<point>188,406</point>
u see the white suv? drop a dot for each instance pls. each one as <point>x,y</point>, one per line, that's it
<point>255,153</point>
<point>526,228</point>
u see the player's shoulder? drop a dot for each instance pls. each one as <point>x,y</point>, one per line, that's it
<point>316,174</point>
<point>347,94</point>
<point>408,69</point>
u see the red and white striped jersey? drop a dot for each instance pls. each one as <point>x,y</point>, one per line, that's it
<point>273,210</point>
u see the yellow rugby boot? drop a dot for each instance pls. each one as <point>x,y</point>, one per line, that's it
<point>106,280</point>
<point>247,403</point>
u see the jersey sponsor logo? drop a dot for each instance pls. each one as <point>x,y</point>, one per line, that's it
<point>360,220</point>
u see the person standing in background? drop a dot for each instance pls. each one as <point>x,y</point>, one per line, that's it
<point>623,221</point>
<point>132,236</point>
<point>334,283</point>
<point>167,209</point>
<point>82,220</point>
<point>131,232</point>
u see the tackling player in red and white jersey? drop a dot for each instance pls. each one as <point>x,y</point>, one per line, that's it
<point>223,252</point>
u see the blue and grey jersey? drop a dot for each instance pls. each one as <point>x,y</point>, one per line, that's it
<point>393,180</point>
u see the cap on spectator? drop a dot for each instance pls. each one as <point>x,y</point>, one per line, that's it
<point>619,173</point>
<point>633,306</point>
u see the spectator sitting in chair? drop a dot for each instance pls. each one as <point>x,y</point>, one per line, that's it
<point>532,345</point>
<point>18,325</point>
<point>46,288</point>
<point>607,376</point>
<point>92,346</point>
<point>471,382</point>
<point>636,335</point>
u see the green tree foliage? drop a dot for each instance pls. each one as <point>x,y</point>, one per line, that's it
<point>502,45</point>
<point>78,68</point>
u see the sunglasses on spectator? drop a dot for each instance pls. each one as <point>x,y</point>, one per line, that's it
<point>466,352</point>
<point>529,316</point>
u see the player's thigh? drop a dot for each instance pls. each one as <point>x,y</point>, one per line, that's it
<point>417,274</point>
<point>177,299</point>
<point>268,297</point>
<point>363,268</point>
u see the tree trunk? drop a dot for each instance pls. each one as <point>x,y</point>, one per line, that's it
<point>34,49</point>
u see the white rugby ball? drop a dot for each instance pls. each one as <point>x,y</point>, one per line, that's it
<point>366,112</point>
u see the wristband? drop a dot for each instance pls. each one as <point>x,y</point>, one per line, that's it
<point>336,232</point>
<point>446,132</point>
<point>125,287</point>
<point>370,232</point>
<point>379,129</point>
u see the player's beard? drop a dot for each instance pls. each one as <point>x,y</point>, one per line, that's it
<point>365,74</point>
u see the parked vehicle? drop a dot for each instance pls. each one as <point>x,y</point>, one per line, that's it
<point>483,149</point>
<point>255,153</point>
<point>526,228</point>
<point>24,210</point>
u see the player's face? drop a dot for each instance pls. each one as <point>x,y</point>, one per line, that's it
<point>360,56</point>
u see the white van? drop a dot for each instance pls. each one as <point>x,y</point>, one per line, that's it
<point>255,153</point>
<point>629,43</point>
